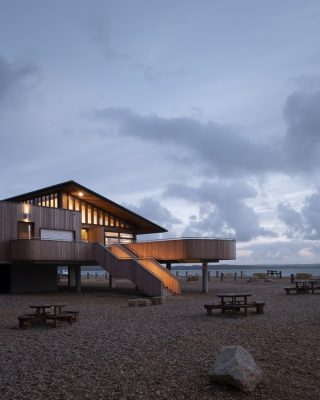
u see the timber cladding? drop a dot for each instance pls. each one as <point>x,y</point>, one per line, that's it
<point>41,217</point>
<point>187,250</point>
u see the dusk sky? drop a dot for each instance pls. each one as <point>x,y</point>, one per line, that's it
<point>201,115</point>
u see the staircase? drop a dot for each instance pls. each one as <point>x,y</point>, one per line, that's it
<point>171,284</point>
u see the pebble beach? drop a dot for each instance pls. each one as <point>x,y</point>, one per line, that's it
<point>160,351</point>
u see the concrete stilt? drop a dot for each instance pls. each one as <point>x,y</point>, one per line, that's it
<point>205,285</point>
<point>71,276</point>
<point>168,265</point>
<point>78,278</point>
<point>110,281</point>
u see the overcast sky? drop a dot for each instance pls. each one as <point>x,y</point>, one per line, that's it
<point>201,115</point>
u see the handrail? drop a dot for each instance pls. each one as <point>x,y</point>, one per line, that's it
<point>167,278</point>
<point>184,238</point>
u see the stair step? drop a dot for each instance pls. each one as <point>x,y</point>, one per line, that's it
<point>167,292</point>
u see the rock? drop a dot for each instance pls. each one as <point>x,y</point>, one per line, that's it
<point>138,302</point>
<point>157,300</point>
<point>236,367</point>
<point>192,278</point>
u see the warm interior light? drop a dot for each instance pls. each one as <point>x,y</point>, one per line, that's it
<point>26,208</point>
<point>80,194</point>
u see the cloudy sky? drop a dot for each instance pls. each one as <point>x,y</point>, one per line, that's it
<point>201,115</point>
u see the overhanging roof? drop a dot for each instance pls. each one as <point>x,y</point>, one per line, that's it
<point>141,224</point>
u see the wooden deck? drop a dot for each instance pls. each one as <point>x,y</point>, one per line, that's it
<point>186,250</point>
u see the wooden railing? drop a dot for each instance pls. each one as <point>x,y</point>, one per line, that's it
<point>50,250</point>
<point>186,249</point>
<point>168,279</point>
<point>128,268</point>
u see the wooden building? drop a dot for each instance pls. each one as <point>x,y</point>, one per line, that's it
<point>70,225</point>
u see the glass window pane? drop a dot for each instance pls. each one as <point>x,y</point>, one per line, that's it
<point>83,213</point>
<point>89,214</point>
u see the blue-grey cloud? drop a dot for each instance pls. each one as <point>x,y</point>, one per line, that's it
<point>13,75</point>
<point>154,211</point>
<point>213,145</point>
<point>222,210</point>
<point>301,143</point>
<point>304,223</point>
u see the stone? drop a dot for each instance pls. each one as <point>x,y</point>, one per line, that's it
<point>192,278</point>
<point>138,302</point>
<point>157,300</point>
<point>236,367</point>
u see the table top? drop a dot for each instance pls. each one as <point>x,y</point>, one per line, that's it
<point>47,305</point>
<point>234,294</point>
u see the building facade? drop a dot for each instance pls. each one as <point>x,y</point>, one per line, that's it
<point>70,225</point>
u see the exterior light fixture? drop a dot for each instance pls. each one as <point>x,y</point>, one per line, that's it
<point>26,212</point>
<point>80,194</point>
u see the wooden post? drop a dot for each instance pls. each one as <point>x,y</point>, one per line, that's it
<point>280,274</point>
<point>209,277</point>
<point>88,275</point>
<point>205,286</point>
<point>110,281</point>
<point>78,278</point>
<point>217,274</point>
<point>292,278</point>
<point>235,276</point>
<point>106,275</point>
<point>71,276</point>
<point>221,276</point>
<point>168,265</point>
<point>241,275</point>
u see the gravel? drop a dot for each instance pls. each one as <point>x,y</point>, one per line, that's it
<point>161,351</point>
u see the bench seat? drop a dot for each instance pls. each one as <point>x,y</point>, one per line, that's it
<point>74,314</point>
<point>26,320</point>
<point>61,317</point>
<point>235,307</point>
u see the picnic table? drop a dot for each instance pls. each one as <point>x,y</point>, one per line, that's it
<point>47,312</point>
<point>303,287</point>
<point>234,302</point>
<point>272,272</point>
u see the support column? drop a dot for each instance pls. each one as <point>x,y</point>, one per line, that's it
<point>168,265</point>
<point>205,284</point>
<point>71,276</point>
<point>78,278</point>
<point>110,281</point>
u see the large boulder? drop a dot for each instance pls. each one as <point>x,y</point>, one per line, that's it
<point>236,367</point>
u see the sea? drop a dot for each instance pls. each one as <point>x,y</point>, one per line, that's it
<point>247,270</point>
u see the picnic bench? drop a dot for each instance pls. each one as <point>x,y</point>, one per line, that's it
<point>235,307</point>
<point>46,313</point>
<point>272,273</point>
<point>235,302</point>
<point>303,287</point>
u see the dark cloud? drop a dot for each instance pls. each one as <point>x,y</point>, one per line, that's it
<point>218,148</point>
<point>12,76</point>
<point>301,144</point>
<point>154,211</point>
<point>222,210</point>
<point>304,223</point>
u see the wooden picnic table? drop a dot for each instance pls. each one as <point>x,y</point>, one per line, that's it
<point>302,286</point>
<point>234,298</point>
<point>234,302</point>
<point>272,272</point>
<point>52,309</point>
<point>44,312</point>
